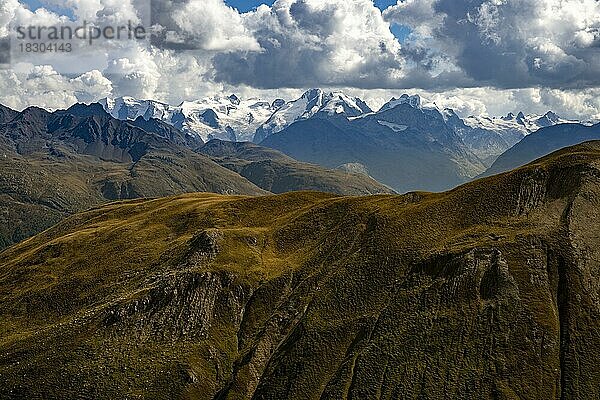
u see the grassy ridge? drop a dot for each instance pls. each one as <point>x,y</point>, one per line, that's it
<point>55,164</point>
<point>40,189</point>
<point>486,291</point>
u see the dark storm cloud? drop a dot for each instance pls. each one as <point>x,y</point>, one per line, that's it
<point>513,44</point>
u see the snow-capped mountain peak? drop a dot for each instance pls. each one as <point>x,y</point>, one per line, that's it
<point>509,117</point>
<point>277,103</point>
<point>413,101</point>
<point>550,116</point>
<point>550,119</point>
<point>234,99</point>
<point>340,103</point>
<point>131,108</point>
<point>227,118</point>
<point>520,123</point>
<point>310,104</point>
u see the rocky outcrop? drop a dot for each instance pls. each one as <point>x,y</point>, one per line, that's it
<point>113,190</point>
<point>532,191</point>
<point>179,307</point>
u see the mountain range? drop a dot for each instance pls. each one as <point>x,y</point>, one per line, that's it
<point>489,291</point>
<point>422,147</point>
<point>55,164</point>
<point>489,137</point>
<point>227,118</point>
<point>405,147</point>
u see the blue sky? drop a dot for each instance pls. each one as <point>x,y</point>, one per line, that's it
<point>242,5</point>
<point>35,4</point>
<point>246,5</point>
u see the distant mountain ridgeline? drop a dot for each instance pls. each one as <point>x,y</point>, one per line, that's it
<point>58,163</point>
<point>543,142</point>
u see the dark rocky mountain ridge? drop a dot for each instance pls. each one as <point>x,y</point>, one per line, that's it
<point>543,142</point>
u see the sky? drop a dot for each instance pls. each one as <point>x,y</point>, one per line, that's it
<point>249,5</point>
<point>479,57</point>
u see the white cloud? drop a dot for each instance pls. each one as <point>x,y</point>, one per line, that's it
<point>313,43</point>
<point>418,14</point>
<point>12,12</point>
<point>583,104</point>
<point>91,86</point>
<point>106,11</point>
<point>136,73</point>
<point>8,9</point>
<point>214,26</point>
<point>200,25</point>
<point>42,86</point>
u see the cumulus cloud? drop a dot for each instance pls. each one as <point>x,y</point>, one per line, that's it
<point>8,9</point>
<point>107,11</point>
<point>581,104</point>
<point>42,86</point>
<point>418,14</point>
<point>13,13</point>
<point>200,24</point>
<point>312,42</point>
<point>134,71</point>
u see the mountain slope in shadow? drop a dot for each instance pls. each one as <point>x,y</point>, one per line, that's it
<point>541,143</point>
<point>274,171</point>
<point>404,147</point>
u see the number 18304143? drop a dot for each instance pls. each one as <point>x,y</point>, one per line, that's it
<point>45,47</point>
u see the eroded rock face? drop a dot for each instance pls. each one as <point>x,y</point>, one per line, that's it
<point>532,191</point>
<point>112,190</point>
<point>455,327</point>
<point>203,247</point>
<point>180,307</point>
